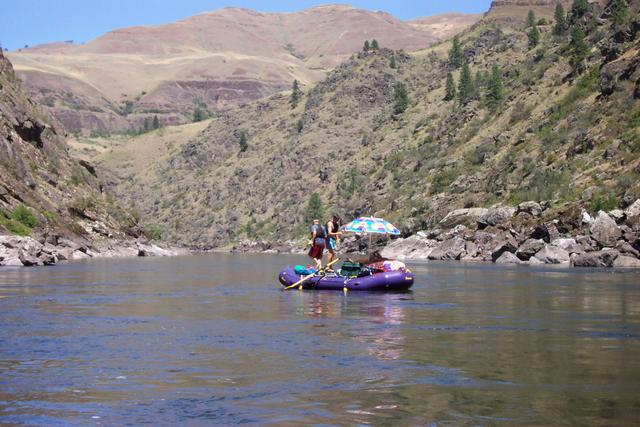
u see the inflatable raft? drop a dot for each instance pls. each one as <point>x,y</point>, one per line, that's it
<point>383,281</point>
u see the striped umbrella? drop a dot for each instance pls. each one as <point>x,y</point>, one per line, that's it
<point>370,225</point>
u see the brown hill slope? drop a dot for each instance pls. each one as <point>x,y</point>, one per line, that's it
<point>566,131</point>
<point>446,25</point>
<point>210,61</point>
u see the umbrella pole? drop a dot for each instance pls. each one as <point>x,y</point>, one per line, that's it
<point>369,247</point>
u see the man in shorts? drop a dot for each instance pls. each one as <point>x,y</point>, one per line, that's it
<point>318,237</point>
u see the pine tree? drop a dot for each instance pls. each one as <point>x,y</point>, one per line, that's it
<point>366,46</point>
<point>478,85</point>
<point>244,145</point>
<point>401,98</point>
<point>531,19</point>
<point>299,125</point>
<point>619,12</point>
<point>156,122</point>
<point>534,37</point>
<point>465,86</point>
<point>147,125</point>
<point>375,45</point>
<point>578,9</point>
<point>561,20</point>
<point>198,115</point>
<point>456,58</point>
<point>392,61</point>
<point>579,47</point>
<point>451,88</point>
<point>314,210</point>
<point>495,89</point>
<point>296,94</point>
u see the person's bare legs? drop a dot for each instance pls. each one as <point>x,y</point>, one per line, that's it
<point>331,257</point>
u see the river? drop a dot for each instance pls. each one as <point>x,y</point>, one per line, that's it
<point>212,339</point>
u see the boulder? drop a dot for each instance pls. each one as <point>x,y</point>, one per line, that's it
<point>29,252</point>
<point>535,261</point>
<point>585,217</point>
<point>605,230</point>
<point>633,211</point>
<point>64,254</point>
<point>9,257</point>
<point>507,245</point>
<point>552,255</point>
<point>77,254</point>
<point>451,249</point>
<point>587,243</point>
<point>546,232</point>
<point>472,249</point>
<point>413,247</point>
<point>508,258</point>
<point>531,208</point>
<point>626,248</point>
<point>595,259</point>
<point>617,215</point>
<point>529,248</point>
<point>13,242</point>
<point>466,216</point>
<point>624,261</point>
<point>495,216</point>
<point>568,244</point>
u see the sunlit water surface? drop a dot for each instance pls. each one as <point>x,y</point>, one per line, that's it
<point>212,339</point>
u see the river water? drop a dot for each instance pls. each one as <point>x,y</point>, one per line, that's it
<point>212,340</point>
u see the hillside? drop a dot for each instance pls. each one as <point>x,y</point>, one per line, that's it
<point>52,206</point>
<point>209,62</point>
<point>563,133</point>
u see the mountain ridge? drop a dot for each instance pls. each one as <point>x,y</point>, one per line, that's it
<point>211,61</point>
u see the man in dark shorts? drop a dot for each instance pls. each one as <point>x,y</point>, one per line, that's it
<point>318,236</point>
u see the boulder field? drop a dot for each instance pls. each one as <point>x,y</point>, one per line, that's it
<point>19,251</point>
<point>528,234</point>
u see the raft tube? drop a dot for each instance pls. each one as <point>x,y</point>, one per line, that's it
<point>392,281</point>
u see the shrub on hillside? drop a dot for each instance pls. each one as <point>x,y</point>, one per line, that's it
<point>23,215</point>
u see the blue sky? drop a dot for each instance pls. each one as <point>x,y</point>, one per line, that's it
<point>34,22</point>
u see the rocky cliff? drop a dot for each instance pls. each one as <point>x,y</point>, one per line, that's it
<point>51,206</point>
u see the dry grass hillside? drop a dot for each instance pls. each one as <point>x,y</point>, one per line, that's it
<point>209,62</point>
<point>446,25</point>
<point>565,131</point>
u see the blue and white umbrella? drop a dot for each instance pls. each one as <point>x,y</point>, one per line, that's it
<point>371,225</point>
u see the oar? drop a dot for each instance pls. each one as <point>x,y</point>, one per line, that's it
<point>304,279</point>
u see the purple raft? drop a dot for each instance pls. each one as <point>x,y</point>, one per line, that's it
<point>392,281</point>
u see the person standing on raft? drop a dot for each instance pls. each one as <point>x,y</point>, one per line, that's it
<point>333,236</point>
<point>318,236</point>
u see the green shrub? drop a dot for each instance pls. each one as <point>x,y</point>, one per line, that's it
<point>52,217</point>
<point>442,180</point>
<point>603,202</point>
<point>23,215</point>
<point>155,232</point>
<point>15,227</point>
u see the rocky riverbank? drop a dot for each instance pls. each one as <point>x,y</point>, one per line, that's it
<point>17,251</point>
<point>530,233</point>
<point>263,246</point>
